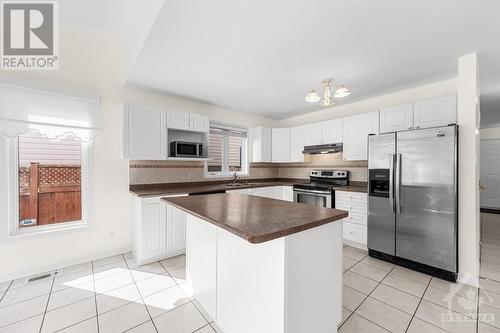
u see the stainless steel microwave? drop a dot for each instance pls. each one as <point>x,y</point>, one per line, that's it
<point>186,149</point>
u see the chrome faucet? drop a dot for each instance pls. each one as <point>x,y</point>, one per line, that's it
<point>235,178</point>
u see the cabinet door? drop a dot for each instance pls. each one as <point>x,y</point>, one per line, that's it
<point>313,134</point>
<point>154,228</point>
<point>332,131</point>
<point>261,144</point>
<point>276,192</point>
<point>435,112</point>
<point>144,133</point>
<point>396,118</point>
<point>355,132</point>
<point>176,230</point>
<point>199,122</point>
<point>178,120</point>
<point>280,145</point>
<point>297,144</point>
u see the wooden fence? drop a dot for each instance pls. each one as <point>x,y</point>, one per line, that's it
<point>50,193</point>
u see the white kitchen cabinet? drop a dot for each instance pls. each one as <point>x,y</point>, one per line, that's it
<point>396,118</point>
<point>150,230</point>
<point>297,144</point>
<point>178,120</point>
<point>280,139</point>
<point>435,112</point>
<point>332,131</point>
<point>201,263</point>
<point>188,121</point>
<point>355,225</point>
<point>313,134</point>
<point>199,122</point>
<point>355,130</point>
<point>144,132</point>
<point>176,230</point>
<point>159,230</point>
<point>261,144</point>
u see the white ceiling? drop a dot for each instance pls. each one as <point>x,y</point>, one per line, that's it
<point>103,16</point>
<point>264,56</point>
<point>489,85</point>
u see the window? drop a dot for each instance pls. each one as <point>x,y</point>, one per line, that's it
<point>45,143</point>
<point>49,180</point>
<point>227,150</point>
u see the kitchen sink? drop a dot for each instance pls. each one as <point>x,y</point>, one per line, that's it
<point>234,184</point>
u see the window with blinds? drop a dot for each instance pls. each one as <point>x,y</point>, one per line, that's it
<point>227,150</point>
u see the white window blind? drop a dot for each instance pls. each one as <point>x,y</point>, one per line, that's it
<point>226,149</point>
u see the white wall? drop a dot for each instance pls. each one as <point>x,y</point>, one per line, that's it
<point>372,104</point>
<point>91,62</point>
<point>492,133</point>
<point>468,119</point>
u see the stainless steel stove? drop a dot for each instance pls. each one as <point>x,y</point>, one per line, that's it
<point>320,190</point>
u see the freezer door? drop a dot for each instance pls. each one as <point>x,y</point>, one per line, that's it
<point>381,218</point>
<point>426,219</point>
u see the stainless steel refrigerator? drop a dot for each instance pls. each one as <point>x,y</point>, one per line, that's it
<point>412,199</point>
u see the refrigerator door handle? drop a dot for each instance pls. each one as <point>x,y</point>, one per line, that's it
<point>398,183</point>
<point>391,183</point>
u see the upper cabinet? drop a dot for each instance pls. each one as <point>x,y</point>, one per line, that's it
<point>280,144</point>
<point>396,118</point>
<point>188,121</point>
<point>261,144</point>
<point>199,122</point>
<point>435,112</point>
<point>355,133</point>
<point>441,111</point>
<point>144,132</point>
<point>313,134</point>
<point>332,131</point>
<point>297,144</point>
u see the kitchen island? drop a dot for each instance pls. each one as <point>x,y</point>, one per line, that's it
<point>264,265</point>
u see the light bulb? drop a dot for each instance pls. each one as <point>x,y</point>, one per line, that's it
<point>342,92</point>
<point>312,97</point>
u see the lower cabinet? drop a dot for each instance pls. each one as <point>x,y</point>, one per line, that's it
<point>355,225</point>
<point>274,192</point>
<point>159,230</point>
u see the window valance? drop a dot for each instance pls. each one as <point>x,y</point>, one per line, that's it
<point>53,115</point>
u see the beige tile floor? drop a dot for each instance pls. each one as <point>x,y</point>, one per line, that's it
<point>114,295</point>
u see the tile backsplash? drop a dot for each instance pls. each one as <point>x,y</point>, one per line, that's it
<point>154,172</point>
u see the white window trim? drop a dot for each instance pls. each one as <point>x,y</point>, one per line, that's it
<point>225,162</point>
<point>12,188</point>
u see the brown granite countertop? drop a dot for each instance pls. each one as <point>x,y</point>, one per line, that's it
<point>256,219</point>
<point>154,190</point>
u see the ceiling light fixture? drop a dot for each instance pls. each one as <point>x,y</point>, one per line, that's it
<point>327,100</point>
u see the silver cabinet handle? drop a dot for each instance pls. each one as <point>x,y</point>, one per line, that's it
<point>391,183</point>
<point>398,183</point>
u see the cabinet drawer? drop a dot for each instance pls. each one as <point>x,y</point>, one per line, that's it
<point>351,196</point>
<point>354,232</point>
<point>351,206</point>
<point>357,218</point>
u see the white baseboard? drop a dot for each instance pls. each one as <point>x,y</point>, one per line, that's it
<point>42,269</point>
<point>355,244</point>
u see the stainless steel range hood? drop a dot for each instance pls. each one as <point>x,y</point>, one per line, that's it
<point>329,148</point>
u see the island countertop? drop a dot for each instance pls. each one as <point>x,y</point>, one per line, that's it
<point>256,219</point>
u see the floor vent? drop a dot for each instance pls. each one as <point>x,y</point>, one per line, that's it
<point>43,276</point>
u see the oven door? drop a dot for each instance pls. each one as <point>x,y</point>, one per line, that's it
<point>311,197</point>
